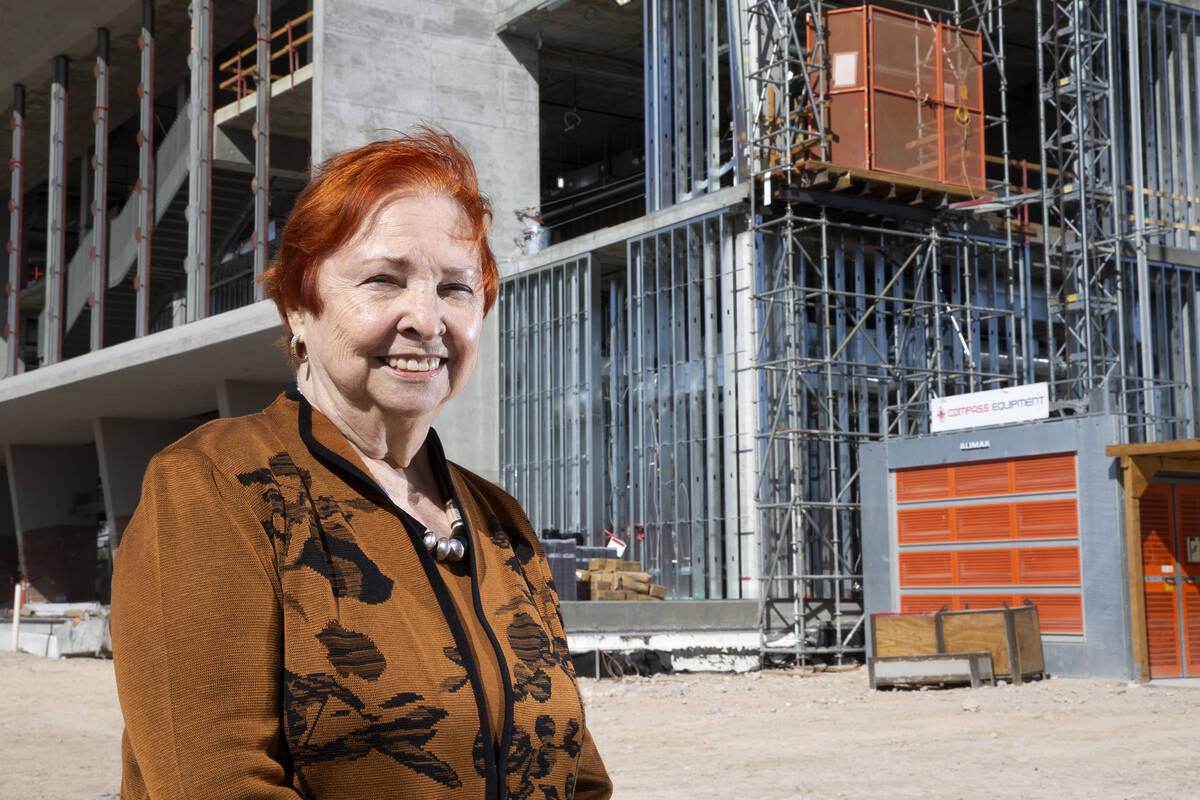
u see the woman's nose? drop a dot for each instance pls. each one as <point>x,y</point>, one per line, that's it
<point>421,314</point>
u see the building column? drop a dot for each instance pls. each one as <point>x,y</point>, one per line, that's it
<point>99,207</point>
<point>56,234</point>
<point>8,538</point>
<point>200,161</point>
<point>238,398</point>
<point>262,144</point>
<point>124,448</point>
<point>14,247</point>
<point>145,181</point>
<point>741,469</point>
<point>53,492</point>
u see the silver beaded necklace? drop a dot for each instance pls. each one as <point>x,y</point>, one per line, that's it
<point>453,547</point>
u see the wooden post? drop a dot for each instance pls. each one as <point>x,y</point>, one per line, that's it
<point>1136,481</point>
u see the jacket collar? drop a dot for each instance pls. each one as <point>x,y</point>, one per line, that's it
<point>329,445</point>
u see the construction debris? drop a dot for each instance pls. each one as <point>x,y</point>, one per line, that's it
<point>614,579</point>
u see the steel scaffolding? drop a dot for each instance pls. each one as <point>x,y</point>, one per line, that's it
<point>859,324</point>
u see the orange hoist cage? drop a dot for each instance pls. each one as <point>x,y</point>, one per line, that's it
<point>905,95</point>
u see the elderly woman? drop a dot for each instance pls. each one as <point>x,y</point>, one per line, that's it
<point>312,601</point>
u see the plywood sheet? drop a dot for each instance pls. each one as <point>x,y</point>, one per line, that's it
<point>904,634</point>
<point>978,631</point>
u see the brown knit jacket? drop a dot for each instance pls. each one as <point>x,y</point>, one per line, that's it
<point>279,631</point>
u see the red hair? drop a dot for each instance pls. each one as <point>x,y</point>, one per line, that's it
<point>349,189</point>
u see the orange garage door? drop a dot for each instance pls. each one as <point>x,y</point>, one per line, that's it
<point>982,534</point>
<point>1170,521</point>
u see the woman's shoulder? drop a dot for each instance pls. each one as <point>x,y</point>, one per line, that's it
<point>234,443</point>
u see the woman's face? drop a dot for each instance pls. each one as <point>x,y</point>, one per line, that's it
<point>402,311</point>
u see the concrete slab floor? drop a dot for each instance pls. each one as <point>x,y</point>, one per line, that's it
<point>1175,683</point>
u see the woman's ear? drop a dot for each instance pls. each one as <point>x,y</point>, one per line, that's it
<point>295,321</point>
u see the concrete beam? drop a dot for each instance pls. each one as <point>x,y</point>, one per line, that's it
<point>52,491</point>
<point>618,234</point>
<point>168,375</point>
<point>238,398</point>
<point>233,148</point>
<point>124,447</point>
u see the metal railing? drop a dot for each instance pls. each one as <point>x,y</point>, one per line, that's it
<point>243,70</point>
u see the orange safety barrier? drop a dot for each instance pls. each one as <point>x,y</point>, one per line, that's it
<point>243,78</point>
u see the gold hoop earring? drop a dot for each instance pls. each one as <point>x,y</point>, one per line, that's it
<point>295,352</point>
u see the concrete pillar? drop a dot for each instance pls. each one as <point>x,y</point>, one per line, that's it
<point>56,216</point>
<point>8,538</point>
<point>262,143</point>
<point>124,447</point>
<point>99,203</point>
<point>145,181</point>
<point>748,534</point>
<point>14,246</point>
<point>238,398</point>
<point>200,161</point>
<point>53,490</point>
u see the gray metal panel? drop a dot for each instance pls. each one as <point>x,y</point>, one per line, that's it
<point>1105,650</point>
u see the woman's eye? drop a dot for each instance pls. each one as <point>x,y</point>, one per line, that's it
<point>380,279</point>
<point>457,288</point>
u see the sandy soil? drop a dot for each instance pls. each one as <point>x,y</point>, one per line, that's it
<point>761,735</point>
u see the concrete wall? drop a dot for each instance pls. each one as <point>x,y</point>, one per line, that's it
<point>57,547</point>
<point>383,65</point>
<point>8,539</point>
<point>1105,650</point>
<point>124,448</point>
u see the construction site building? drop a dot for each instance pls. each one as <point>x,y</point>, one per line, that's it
<point>745,245</point>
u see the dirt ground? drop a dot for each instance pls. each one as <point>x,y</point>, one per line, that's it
<point>759,735</point>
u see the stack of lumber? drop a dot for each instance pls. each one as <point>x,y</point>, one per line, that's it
<point>614,579</point>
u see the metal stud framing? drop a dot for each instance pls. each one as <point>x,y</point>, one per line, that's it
<point>262,141</point>
<point>145,181</point>
<point>200,160</point>
<point>99,206</point>
<point>56,217</point>
<point>15,245</point>
<point>679,433</point>
<point>547,430</point>
<point>685,116</point>
<point>620,404</point>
